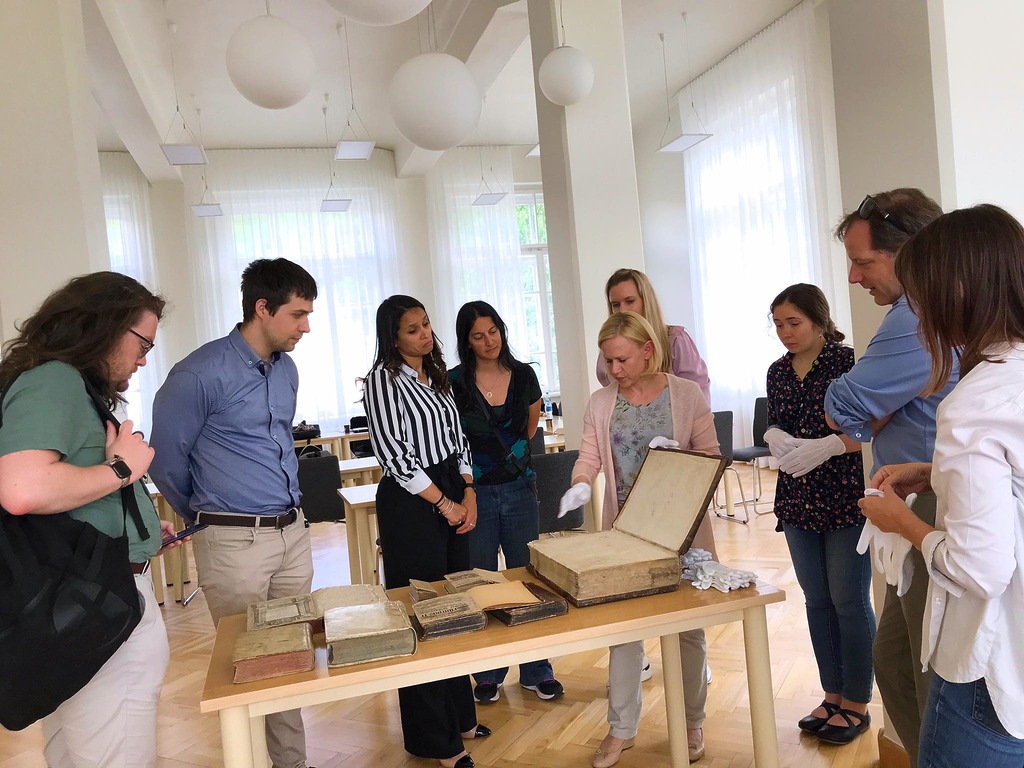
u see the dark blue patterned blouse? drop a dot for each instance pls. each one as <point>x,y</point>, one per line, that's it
<point>825,499</point>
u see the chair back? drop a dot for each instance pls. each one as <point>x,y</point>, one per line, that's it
<point>723,428</point>
<point>361,449</point>
<point>554,476</point>
<point>358,422</point>
<point>537,442</point>
<point>760,421</point>
<point>319,481</point>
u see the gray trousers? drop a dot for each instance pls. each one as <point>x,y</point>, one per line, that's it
<point>897,650</point>
<point>239,566</point>
<point>624,693</point>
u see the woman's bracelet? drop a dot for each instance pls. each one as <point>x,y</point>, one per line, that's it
<point>439,500</point>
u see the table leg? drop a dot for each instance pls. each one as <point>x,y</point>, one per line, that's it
<point>355,575</point>
<point>345,448</point>
<point>759,688</point>
<point>367,546</point>
<point>675,710</point>
<point>236,738</point>
<point>258,736</point>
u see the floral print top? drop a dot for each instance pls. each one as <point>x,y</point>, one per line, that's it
<point>632,429</point>
<point>825,499</point>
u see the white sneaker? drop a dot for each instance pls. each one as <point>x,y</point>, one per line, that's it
<point>646,673</point>
<point>708,668</point>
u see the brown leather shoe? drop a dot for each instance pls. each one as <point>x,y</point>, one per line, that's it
<point>606,757</point>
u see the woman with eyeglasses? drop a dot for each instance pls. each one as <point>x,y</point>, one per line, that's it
<point>426,504</point>
<point>644,407</point>
<point>821,479</point>
<point>499,401</point>
<point>630,290</point>
<point>963,275</point>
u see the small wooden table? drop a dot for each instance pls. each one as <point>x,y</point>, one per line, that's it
<point>359,471</point>
<point>360,504</point>
<point>242,707</point>
<point>175,560</point>
<point>345,441</point>
<point>554,443</point>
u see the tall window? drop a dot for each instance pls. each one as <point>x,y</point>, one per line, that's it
<point>535,269</point>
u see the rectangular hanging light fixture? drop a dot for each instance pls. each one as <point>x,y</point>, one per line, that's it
<point>535,152</point>
<point>184,154</point>
<point>354,150</point>
<point>489,198</point>
<point>335,205</point>
<point>684,142</point>
<point>205,210</point>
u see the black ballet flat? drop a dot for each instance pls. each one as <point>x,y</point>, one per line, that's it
<point>465,762</point>
<point>481,732</point>
<point>844,734</point>
<point>812,724</point>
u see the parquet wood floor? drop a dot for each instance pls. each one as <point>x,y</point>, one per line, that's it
<point>365,732</point>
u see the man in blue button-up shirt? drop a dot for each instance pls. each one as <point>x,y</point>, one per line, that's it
<point>222,433</point>
<point>880,397</point>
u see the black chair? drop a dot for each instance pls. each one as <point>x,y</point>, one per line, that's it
<point>759,450</point>
<point>723,429</point>
<point>361,449</point>
<point>537,442</point>
<point>319,481</point>
<point>554,476</point>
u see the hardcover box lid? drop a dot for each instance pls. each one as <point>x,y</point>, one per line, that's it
<point>670,497</point>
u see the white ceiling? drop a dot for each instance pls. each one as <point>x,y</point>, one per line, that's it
<point>500,59</point>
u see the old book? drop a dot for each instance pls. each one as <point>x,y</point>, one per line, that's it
<point>447,615</point>
<point>507,594</point>
<point>265,653</point>
<point>310,608</point>
<point>548,604</point>
<point>359,633</point>
<point>460,581</point>
<point>421,590</point>
<point>640,555</point>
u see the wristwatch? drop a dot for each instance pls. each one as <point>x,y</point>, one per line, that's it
<point>121,469</point>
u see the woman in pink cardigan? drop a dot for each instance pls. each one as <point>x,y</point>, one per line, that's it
<point>642,408</point>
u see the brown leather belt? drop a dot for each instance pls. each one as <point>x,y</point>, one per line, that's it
<point>249,521</point>
<point>139,568</point>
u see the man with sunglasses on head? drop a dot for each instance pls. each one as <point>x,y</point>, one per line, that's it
<point>879,399</point>
<point>222,431</point>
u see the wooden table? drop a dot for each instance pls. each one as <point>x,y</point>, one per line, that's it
<point>360,511</point>
<point>242,707</point>
<point>554,443</point>
<point>340,445</point>
<point>175,560</point>
<point>359,471</point>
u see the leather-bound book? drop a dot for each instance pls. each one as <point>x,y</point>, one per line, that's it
<point>359,633</point>
<point>310,608</point>
<point>640,555</point>
<point>460,581</point>
<point>548,605</point>
<point>272,652</point>
<point>447,615</point>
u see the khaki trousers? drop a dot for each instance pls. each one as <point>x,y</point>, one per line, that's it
<point>897,650</point>
<point>625,698</point>
<point>111,722</point>
<point>239,566</point>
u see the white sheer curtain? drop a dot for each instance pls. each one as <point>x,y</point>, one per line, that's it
<point>756,202</point>
<point>271,201</point>
<point>130,244</point>
<point>475,249</point>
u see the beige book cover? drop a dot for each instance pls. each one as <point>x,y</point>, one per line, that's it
<point>310,608</point>
<point>371,632</point>
<point>421,590</point>
<point>640,555</point>
<point>271,652</point>
<point>460,581</point>
<point>508,594</point>
<point>447,615</point>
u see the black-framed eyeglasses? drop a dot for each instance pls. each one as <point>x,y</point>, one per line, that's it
<point>869,206</point>
<point>147,345</point>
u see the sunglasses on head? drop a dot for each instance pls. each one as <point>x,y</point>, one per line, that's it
<point>869,206</point>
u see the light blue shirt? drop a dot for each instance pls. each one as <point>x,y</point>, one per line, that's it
<point>888,379</point>
<point>222,431</point>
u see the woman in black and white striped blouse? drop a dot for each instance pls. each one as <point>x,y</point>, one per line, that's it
<point>426,503</point>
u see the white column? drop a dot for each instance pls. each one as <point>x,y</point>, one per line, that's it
<point>178,334</point>
<point>590,188</point>
<point>51,203</point>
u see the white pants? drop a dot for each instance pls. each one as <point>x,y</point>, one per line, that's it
<point>111,722</point>
<point>624,693</point>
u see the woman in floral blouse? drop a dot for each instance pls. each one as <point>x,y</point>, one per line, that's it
<point>821,479</point>
<point>642,407</point>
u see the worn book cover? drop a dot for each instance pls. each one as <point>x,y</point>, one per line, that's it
<point>548,604</point>
<point>421,590</point>
<point>508,594</point>
<point>447,615</point>
<point>310,608</point>
<point>460,581</point>
<point>640,555</point>
<point>359,633</point>
<point>272,652</point>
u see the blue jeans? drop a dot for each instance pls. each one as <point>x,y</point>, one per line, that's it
<point>837,583</point>
<point>508,516</point>
<point>961,728</point>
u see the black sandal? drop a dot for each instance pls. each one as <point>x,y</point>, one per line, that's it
<point>844,734</point>
<point>813,723</point>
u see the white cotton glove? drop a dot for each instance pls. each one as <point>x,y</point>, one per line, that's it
<point>663,442</point>
<point>779,442</point>
<point>575,497</point>
<point>810,454</point>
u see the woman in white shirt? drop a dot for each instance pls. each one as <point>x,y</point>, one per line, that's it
<point>964,277</point>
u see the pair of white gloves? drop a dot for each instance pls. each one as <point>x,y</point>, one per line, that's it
<point>890,552</point>
<point>579,494</point>
<point>797,455</point>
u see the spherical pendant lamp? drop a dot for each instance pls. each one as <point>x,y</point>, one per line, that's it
<point>270,63</point>
<point>379,13</point>
<point>566,76</point>
<point>435,102</point>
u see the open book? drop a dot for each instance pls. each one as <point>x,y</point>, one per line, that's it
<point>464,611</point>
<point>310,608</point>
